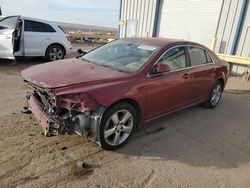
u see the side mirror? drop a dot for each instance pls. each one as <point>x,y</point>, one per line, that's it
<point>161,68</point>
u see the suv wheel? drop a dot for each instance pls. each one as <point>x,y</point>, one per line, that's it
<point>54,52</point>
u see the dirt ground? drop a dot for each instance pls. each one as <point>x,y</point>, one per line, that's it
<point>195,147</point>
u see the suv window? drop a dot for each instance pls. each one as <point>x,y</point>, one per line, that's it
<point>198,56</point>
<point>175,58</point>
<point>34,26</point>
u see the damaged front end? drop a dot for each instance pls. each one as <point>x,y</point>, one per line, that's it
<point>70,113</point>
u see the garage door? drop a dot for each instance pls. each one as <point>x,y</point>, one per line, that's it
<point>194,20</point>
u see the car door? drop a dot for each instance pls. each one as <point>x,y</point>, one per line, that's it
<point>7,34</point>
<point>168,91</point>
<point>202,73</point>
<point>37,37</point>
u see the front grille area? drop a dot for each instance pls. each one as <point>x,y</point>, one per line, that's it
<point>45,99</point>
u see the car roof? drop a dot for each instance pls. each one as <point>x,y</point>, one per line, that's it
<point>37,19</point>
<point>161,41</point>
<point>33,19</point>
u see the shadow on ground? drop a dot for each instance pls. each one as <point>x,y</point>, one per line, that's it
<point>197,136</point>
<point>20,64</point>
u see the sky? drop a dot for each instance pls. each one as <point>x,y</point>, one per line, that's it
<point>90,12</point>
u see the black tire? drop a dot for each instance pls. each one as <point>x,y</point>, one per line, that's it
<point>107,121</point>
<point>57,49</point>
<point>209,103</point>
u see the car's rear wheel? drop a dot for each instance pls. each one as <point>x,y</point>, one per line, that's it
<point>54,52</point>
<point>214,96</point>
<point>117,125</point>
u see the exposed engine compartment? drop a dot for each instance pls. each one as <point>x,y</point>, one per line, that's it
<point>64,116</point>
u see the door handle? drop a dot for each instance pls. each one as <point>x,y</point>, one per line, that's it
<point>185,76</point>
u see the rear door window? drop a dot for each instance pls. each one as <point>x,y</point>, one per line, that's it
<point>33,26</point>
<point>198,56</point>
<point>209,59</point>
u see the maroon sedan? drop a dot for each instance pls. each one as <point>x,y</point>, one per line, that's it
<point>108,92</point>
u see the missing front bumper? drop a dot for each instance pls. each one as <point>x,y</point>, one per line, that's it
<point>50,125</point>
<point>53,126</point>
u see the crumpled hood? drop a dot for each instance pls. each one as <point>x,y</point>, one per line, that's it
<point>68,72</point>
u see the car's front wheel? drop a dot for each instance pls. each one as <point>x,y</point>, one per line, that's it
<point>117,125</point>
<point>214,96</point>
<point>54,52</point>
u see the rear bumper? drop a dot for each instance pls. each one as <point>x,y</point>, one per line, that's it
<point>68,48</point>
<point>48,124</point>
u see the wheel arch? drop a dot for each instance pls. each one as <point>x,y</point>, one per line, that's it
<point>221,80</point>
<point>133,103</point>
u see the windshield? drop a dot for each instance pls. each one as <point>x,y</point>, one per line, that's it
<point>8,23</point>
<point>123,56</point>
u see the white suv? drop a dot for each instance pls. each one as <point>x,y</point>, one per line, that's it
<point>30,37</point>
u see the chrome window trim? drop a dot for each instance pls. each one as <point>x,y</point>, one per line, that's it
<point>188,45</point>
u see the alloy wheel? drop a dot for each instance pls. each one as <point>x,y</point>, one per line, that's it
<point>216,94</point>
<point>118,127</point>
<point>56,54</point>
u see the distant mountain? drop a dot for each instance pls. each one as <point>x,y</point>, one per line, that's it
<point>77,28</point>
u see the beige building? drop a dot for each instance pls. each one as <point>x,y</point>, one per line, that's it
<point>227,21</point>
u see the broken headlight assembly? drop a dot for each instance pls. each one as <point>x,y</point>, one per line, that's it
<point>80,102</point>
<point>83,113</point>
